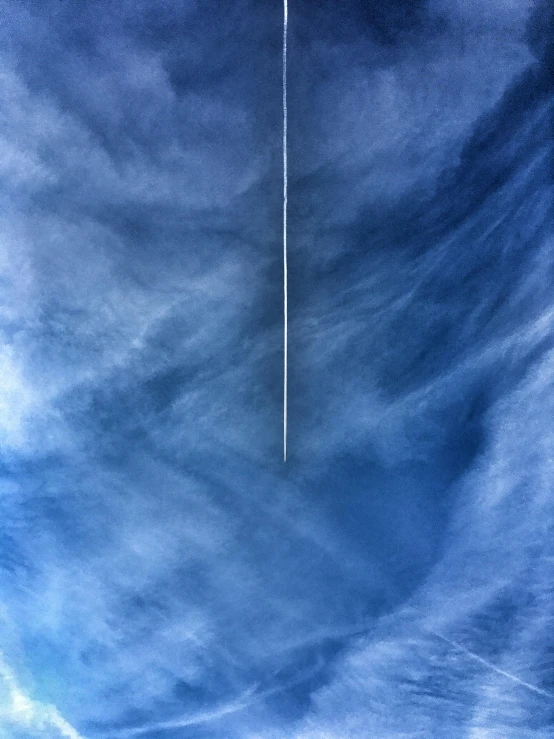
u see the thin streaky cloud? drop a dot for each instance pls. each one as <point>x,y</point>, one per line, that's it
<point>493,667</point>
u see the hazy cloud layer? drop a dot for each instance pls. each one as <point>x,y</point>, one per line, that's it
<point>162,574</point>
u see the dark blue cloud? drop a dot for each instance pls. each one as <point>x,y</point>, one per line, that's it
<point>161,572</point>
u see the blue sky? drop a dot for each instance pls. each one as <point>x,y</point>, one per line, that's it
<point>162,573</point>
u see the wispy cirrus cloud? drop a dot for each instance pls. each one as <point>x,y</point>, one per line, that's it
<point>160,570</point>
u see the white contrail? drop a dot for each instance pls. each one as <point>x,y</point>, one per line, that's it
<point>205,717</point>
<point>285,280</point>
<point>493,667</point>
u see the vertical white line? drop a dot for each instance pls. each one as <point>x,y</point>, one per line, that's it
<point>285,275</point>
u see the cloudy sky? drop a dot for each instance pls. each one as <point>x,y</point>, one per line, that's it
<point>162,573</point>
